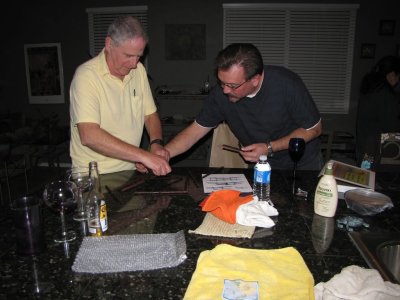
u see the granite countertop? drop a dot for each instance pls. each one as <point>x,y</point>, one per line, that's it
<point>325,248</point>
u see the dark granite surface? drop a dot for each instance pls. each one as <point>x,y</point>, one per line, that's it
<point>49,275</point>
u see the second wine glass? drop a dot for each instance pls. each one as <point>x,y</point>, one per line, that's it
<point>80,175</point>
<point>296,148</point>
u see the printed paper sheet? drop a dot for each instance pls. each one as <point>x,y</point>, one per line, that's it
<point>215,182</point>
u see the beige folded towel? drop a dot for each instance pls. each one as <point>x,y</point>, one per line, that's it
<point>213,226</point>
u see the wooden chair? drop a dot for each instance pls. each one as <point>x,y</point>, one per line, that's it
<point>12,165</point>
<point>223,158</point>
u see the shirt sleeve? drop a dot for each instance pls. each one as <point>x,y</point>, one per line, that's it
<point>210,114</point>
<point>84,97</point>
<point>302,108</point>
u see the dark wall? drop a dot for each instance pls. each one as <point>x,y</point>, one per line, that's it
<point>66,22</point>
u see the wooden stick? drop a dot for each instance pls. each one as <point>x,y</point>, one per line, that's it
<point>230,148</point>
<point>160,192</point>
<point>112,195</point>
<point>132,185</point>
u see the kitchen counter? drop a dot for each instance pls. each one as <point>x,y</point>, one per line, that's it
<point>325,248</point>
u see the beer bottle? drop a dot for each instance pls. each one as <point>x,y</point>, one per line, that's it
<point>96,204</point>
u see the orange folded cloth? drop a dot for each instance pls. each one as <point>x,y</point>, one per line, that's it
<point>224,203</point>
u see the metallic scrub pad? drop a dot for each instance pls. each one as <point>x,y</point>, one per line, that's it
<point>136,252</point>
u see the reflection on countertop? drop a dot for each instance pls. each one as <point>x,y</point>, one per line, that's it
<point>325,248</point>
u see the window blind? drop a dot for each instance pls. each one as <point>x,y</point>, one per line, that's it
<point>100,18</point>
<point>314,40</point>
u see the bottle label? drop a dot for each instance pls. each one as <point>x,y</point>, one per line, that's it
<point>324,190</point>
<point>262,176</point>
<point>94,228</point>
<point>324,193</point>
<point>103,216</point>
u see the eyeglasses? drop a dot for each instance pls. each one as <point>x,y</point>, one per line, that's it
<point>232,86</point>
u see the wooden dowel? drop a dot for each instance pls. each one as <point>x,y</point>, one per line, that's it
<point>112,195</point>
<point>230,148</point>
<point>160,192</point>
<point>132,185</point>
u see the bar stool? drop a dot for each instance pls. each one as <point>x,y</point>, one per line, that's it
<point>12,165</point>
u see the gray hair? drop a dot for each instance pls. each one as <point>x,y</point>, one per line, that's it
<point>124,28</point>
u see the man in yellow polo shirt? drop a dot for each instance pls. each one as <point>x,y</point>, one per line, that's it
<point>111,102</point>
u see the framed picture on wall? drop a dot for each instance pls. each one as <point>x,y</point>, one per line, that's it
<point>44,73</point>
<point>367,50</point>
<point>185,41</point>
<point>386,27</point>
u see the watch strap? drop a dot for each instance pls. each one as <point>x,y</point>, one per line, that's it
<point>270,150</point>
<point>157,141</point>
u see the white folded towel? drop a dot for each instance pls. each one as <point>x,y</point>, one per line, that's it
<point>356,283</point>
<point>256,213</point>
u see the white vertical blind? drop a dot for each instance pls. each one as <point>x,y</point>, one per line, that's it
<point>100,18</point>
<point>314,40</point>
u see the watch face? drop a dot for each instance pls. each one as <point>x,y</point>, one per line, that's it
<point>270,151</point>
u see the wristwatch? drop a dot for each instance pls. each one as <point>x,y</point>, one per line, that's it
<point>157,141</point>
<point>270,150</point>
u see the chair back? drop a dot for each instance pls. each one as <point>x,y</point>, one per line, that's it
<point>223,158</point>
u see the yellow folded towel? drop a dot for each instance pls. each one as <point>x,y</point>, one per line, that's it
<point>279,273</point>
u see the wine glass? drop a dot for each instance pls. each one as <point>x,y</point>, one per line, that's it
<point>297,147</point>
<point>60,196</point>
<point>80,175</point>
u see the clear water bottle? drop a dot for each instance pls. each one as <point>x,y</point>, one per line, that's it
<point>261,180</point>
<point>367,162</point>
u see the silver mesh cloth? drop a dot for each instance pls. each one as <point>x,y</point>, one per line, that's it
<point>135,252</point>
